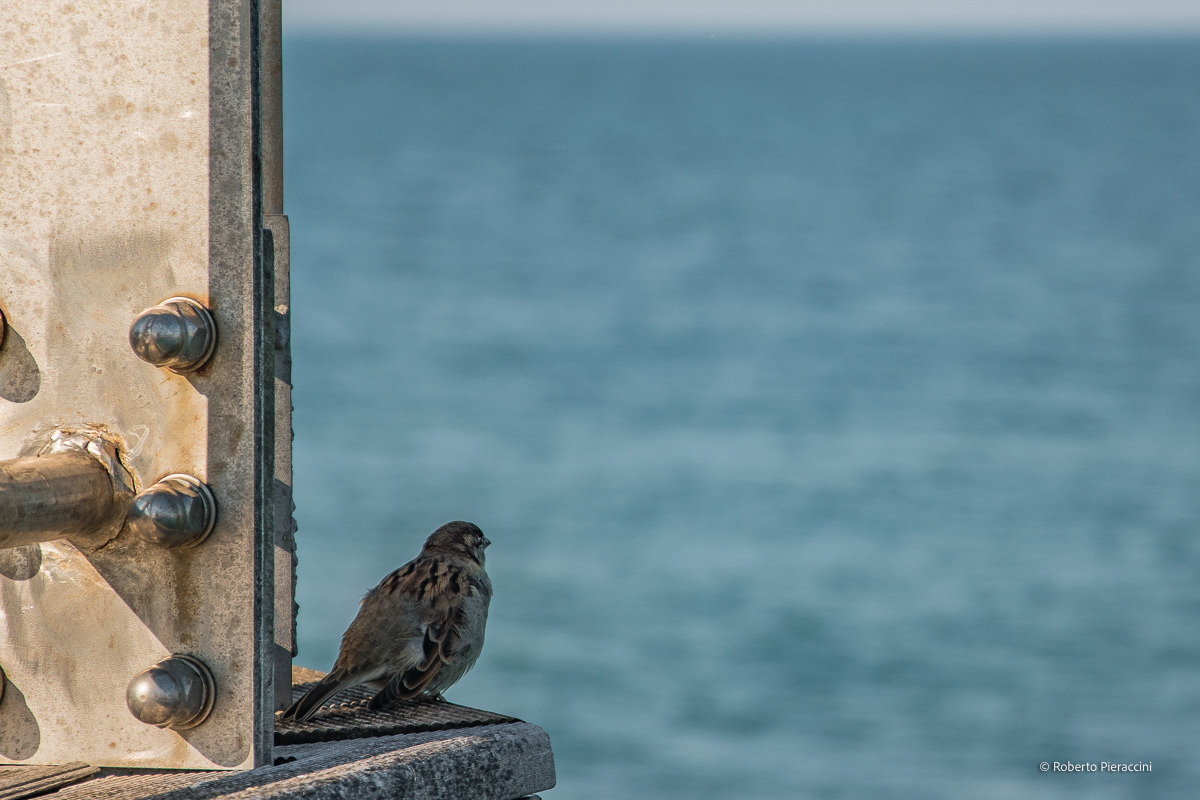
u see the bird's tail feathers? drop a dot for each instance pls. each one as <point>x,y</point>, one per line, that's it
<point>306,706</point>
<point>390,694</point>
<point>409,683</point>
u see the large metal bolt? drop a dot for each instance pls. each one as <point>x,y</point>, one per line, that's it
<point>178,334</point>
<point>176,693</point>
<point>178,511</point>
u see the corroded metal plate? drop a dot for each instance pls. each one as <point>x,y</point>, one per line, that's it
<point>127,161</point>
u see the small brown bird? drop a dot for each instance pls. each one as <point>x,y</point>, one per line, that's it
<point>419,630</point>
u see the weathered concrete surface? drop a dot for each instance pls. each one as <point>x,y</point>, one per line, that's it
<point>21,782</point>
<point>498,762</point>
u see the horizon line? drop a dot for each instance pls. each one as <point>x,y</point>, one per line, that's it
<point>948,29</point>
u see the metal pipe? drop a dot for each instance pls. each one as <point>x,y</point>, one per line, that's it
<point>49,497</point>
<point>76,488</point>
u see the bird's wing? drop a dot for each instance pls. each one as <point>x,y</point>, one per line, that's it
<point>438,587</point>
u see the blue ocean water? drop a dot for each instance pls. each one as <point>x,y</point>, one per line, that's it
<point>833,406</point>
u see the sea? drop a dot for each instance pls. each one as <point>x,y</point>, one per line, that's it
<point>832,404</point>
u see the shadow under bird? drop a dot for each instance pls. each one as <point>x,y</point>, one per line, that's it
<point>419,630</point>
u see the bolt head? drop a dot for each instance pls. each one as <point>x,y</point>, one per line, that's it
<point>175,693</point>
<point>178,334</point>
<point>178,511</point>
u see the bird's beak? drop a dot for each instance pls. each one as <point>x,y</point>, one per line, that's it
<point>486,542</point>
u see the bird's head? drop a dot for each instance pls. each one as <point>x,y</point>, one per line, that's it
<point>458,538</point>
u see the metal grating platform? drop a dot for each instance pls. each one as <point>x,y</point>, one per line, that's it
<point>347,717</point>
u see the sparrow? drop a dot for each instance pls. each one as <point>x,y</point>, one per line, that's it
<point>419,630</point>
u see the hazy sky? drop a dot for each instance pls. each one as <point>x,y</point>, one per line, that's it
<point>717,16</point>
